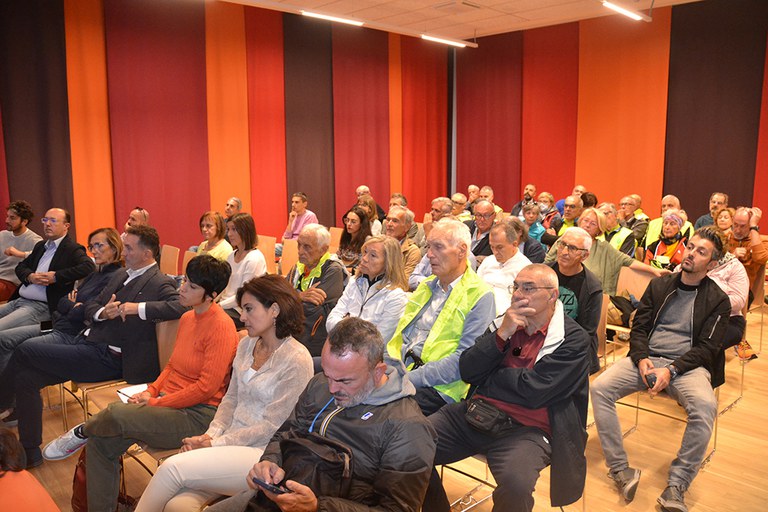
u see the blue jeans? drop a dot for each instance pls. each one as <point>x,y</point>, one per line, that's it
<point>51,359</point>
<point>21,311</point>
<point>692,390</point>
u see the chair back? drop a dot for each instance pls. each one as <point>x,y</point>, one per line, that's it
<point>290,255</point>
<point>169,260</point>
<point>188,255</point>
<point>335,239</point>
<point>166,340</point>
<point>267,248</point>
<point>633,281</point>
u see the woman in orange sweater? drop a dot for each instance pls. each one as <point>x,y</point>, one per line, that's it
<point>19,490</point>
<point>180,403</point>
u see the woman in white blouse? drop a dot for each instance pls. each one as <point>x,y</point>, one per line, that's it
<point>246,261</point>
<point>269,372</point>
<point>378,291</point>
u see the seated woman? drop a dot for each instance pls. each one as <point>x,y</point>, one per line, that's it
<point>19,490</point>
<point>106,246</point>
<point>724,220</point>
<point>368,205</point>
<point>270,371</point>
<point>180,403</point>
<point>531,214</point>
<point>246,262</point>
<point>357,230</point>
<point>667,251</point>
<point>378,291</point>
<point>548,210</point>
<point>213,228</point>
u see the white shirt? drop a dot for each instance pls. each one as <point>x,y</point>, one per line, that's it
<point>500,276</point>
<point>37,291</point>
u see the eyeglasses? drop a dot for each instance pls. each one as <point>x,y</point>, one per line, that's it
<point>97,245</point>
<point>51,220</point>
<point>569,247</point>
<point>485,216</point>
<point>527,288</point>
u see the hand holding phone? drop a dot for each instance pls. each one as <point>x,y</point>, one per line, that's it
<point>650,379</point>
<point>274,489</point>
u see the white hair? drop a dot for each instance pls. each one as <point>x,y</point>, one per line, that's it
<point>456,230</point>
<point>320,232</point>
<point>581,233</point>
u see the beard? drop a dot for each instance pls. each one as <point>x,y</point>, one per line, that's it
<point>345,400</point>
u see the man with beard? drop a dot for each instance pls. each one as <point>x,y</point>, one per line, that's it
<point>529,197</point>
<point>675,340</point>
<point>16,242</point>
<point>361,402</point>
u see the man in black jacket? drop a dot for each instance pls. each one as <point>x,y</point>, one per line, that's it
<point>532,374</point>
<point>364,404</point>
<point>120,343</point>
<point>676,336</point>
<point>47,274</point>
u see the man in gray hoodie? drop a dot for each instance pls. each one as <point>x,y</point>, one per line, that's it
<point>365,404</point>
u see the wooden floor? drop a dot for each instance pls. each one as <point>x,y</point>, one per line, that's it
<point>735,479</point>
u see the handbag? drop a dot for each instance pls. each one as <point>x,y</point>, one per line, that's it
<point>80,489</point>
<point>322,464</point>
<point>486,417</point>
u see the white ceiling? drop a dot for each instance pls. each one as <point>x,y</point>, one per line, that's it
<point>459,19</point>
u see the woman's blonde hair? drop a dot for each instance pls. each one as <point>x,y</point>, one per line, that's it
<point>394,269</point>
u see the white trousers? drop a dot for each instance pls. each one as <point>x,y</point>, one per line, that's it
<point>186,481</point>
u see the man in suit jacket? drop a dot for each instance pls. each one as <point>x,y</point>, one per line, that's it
<point>485,214</point>
<point>47,274</point>
<point>120,343</point>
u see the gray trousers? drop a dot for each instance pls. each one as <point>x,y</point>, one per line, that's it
<point>693,392</point>
<point>120,425</point>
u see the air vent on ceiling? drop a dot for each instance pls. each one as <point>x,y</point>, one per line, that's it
<point>456,7</point>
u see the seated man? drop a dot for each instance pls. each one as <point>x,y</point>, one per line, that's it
<point>745,242</point>
<point>443,317</point>
<point>415,232</point>
<point>473,194</point>
<point>121,342</point>
<point>397,224</point>
<point>530,247</point>
<point>298,217</point>
<point>717,201</point>
<point>486,194</point>
<point>572,208</point>
<point>364,190</point>
<point>529,197</point>
<point>138,217</point>
<point>441,207</point>
<point>373,413</point>
<point>500,269</point>
<point>632,216</point>
<point>480,227</point>
<point>580,291</point>
<point>676,336</point>
<point>47,274</point>
<point>320,281</point>
<point>180,403</point>
<point>668,202</point>
<point>532,371</point>
<point>459,202</point>
<point>233,207</point>
<point>622,239</point>
<point>16,243</point>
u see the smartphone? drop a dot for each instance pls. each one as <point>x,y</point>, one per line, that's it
<point>651,380</point>
<point>271,488</point>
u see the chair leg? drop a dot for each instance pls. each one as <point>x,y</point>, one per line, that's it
<point>63,402</point>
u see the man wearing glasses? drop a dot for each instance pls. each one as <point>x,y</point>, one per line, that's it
<point>571,211</point>
<point>529,409</point>
<point>47,274</point>
<point>580,290</point>
<point>485,214</point>
<point>138,217</point>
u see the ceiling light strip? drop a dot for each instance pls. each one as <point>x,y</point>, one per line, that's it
<point>630,13</point>
<point>444,41</point>
<point>332,18</point>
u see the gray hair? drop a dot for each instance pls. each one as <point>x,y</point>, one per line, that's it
<point>444,204</point>
<point>457,231</point>
<point>237,201</point>
<point>320,232</point>
<point>509,231</point>
<point>582,234</point>
<point>610,206</point>
<point>353,334</point>
<point>409,215</point>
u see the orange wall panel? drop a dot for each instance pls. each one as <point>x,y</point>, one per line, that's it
<point>621,127</point>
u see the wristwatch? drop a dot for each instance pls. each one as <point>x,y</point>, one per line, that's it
<point>672,371</point>
<point>755,228</point>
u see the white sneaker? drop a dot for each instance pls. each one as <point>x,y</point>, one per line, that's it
<point>63,446</point>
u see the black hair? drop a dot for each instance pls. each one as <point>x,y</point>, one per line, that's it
<point>210,273</point>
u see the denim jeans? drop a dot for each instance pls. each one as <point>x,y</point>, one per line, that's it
<point>692,390</point>
<point>21,311</point>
